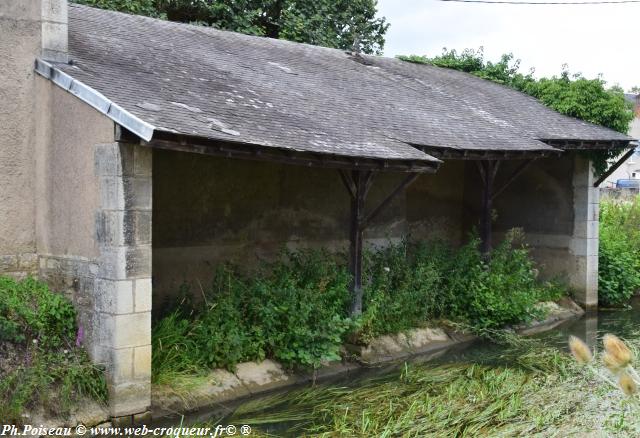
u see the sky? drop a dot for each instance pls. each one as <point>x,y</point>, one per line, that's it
<point>590,39</point>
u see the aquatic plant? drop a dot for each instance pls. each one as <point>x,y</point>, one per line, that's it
<point>617,360</point>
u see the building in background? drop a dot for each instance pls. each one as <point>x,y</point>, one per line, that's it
<point>629,170</point>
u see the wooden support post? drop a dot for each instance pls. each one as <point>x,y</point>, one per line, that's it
<point>488,170</point>
<point>358,184</point>
<point>356,235</point>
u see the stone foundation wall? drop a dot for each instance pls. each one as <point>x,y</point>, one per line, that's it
<point>75,278</point>
<point>19,266</point>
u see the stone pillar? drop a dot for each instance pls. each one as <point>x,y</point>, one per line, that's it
<point>583,277</point>
<point>123,283</point>
<point>55,30</point>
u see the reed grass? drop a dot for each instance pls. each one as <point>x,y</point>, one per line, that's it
<point>524,389</point>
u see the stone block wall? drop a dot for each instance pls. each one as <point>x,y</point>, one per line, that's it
<point>19,266</point>
<point>583,275</point>
<point>123,280</point>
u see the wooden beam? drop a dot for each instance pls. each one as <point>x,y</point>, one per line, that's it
<point>285,156</point>
<point>587,144</point>
<point>516,173</point>
<point>614,167</point>
<point>475,155</point>
<point>402,186</point>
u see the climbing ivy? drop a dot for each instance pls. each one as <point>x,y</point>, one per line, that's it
<point>570,94</point>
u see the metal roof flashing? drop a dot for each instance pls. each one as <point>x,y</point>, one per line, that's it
<point>95,99</point>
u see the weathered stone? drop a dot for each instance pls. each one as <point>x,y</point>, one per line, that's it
<point>119,263</point>
<point>259,377</point>
<point>121,331</point>
<point>28,262</point>
<point>142,418</point>
<point>128,398</point>
<point>8,263</point>
<point>122,421</point>
<point>89,413</point>
<point>142,362</point>
<point>114,296</point>
<point>143,227</point>
<point>219,386</point>
<point>143,295</point>
<point>420,338</point>
<point>137,193</point>
<point>143,161</point>
<point>121,365</point>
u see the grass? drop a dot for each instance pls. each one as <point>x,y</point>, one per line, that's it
<point>40,365</point>
<point>524,389</point>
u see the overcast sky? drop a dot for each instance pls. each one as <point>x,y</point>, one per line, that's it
<point>591,39</point>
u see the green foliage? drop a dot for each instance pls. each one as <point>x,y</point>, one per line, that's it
<point>29,311</point>
<point>40,364</point>
<point>53,381</point>
<point>330,23</point>
<point>494,293</point>
<point>571,95</point>
<point>619,257</point>
<point>137,7</point>
<point>412,284</point>
<point>403,285</point>
<point>294,311</point>
<point>305,320</point>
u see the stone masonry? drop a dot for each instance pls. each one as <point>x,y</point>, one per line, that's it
<point>123,281</point>
<point>583,277</point>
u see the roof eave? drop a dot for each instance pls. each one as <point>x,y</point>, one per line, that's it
<point>96,100</point>
<point>255,152</point>
<point>445,153</point>
<point>577,144</point>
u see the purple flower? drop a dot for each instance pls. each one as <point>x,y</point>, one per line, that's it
<point>80,335</point>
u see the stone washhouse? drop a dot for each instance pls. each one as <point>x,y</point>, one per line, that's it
<point>136,154</point>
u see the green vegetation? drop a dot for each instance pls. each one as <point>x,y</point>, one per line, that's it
<point>293,311</point>
<point>329,23</point>
<point>40,364</point>
<point>572,95</point>
<point>619,257</point>
<point>296,310</point>
<point>522,388</point>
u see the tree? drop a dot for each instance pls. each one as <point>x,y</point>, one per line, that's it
<point>569,94</point>
<point>329,23</point>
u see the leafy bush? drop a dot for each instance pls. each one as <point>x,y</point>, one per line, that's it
<point>39,363</point>
<point>494,293</point>
<point>299,309</point>
<point>30,307</point>
<point>402,288</point>
<point>294,311</point>
<point>619,256</point>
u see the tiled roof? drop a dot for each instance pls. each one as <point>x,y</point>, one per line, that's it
<point>219,85</point>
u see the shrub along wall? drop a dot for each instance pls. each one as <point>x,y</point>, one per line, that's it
<point>295,310</point>
<point>619,257</point>
<point>42,364</point>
